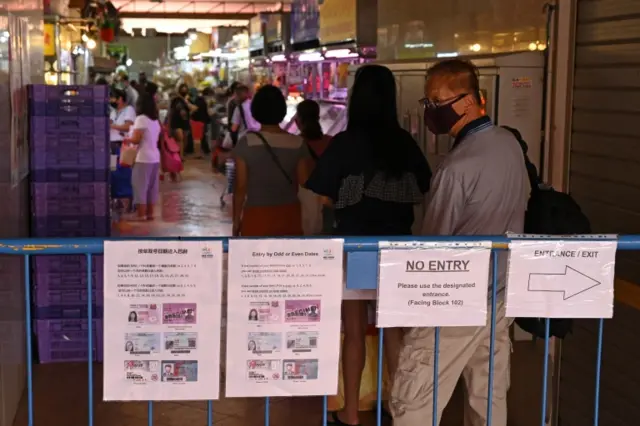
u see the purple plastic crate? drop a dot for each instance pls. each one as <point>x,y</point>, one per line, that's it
<point>42,126</point>
<point>63,264</point>
<point>67,312</point>
<point>61,159</point>
<point>45,92</point>
<point>70,175</point>
<point>67,340</point>
<point>45,298</point>
<point>46,281</point>
<point>56,101</point>
<point>66,141</point>
<point>70,226</point>
<point>70,199</point>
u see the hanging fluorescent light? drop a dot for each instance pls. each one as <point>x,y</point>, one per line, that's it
<point>310,57</point>
<point>279,58</point>
<point>91,44</point>
<point>188,42</point>
<point>129,62</point>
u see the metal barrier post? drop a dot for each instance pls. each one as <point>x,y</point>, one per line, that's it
<point>492,342</point>
<point>436,373</point>
<point>29,331</point>
<point>545,373</point>
<point>90,335</point>
<point>596,409</point>
<point>379,378</point>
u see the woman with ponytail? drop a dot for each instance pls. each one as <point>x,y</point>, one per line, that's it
<point>374,174</point>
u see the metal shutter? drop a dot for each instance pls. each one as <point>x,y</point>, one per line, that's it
<point>604,178</point>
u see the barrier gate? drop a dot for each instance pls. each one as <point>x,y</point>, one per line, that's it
<point>369,245</point>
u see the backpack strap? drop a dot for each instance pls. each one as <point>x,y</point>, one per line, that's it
<point>532,172</point>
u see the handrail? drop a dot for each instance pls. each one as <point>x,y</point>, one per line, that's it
<point>351,244</point>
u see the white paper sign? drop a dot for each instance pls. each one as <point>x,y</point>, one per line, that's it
<point>162,317</point>
<point>432,287</point>
<point>284,300</point>
<point>561,279</point>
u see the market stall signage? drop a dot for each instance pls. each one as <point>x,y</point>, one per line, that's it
<point>49,33</point>
<point>256,36</point>
<point>273,30</point>
<point>304,20</point>
<point>337,21</point>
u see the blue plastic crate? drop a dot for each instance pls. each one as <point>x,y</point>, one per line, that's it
<point>78,311</point>
<point>41,126</point>
<point>70,226</point>
<point>70,199</point>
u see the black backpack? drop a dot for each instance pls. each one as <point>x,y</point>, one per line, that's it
<point>549,212</point>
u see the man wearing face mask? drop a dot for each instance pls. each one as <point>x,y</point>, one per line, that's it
<point>480,188</point>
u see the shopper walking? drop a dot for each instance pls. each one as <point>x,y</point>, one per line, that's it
<point>180,111</point>
<point>269,167</point>
<point>146,170</point>
<point>373,174</point>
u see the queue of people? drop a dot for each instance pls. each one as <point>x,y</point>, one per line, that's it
<point>368,180</point>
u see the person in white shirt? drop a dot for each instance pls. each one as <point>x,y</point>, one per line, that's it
<point>146,170</point>
<point>242,120</point>
<point>122,116</point>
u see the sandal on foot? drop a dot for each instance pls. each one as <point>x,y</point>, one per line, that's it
<point>334,420</point>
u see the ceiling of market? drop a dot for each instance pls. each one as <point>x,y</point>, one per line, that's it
<point>202,9</point>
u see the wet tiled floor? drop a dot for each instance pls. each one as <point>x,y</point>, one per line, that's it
<point>192,208</point>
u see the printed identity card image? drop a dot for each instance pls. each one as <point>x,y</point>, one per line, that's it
<point>263,370</point>
<point>179,313</point>
<point>264,343</point>
<point>142,371</point>
<point>180,342</point>
<point>179,371</point>
<point>142,343</point>
<point>302,341</point>
<point>264,312</point>
<point>143,314</point>
<point>300,369</point>
<point>302,311</point>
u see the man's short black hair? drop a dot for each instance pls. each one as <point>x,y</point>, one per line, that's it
<point>118,93</point>
<point>269,106</point>
<point>464,75</point>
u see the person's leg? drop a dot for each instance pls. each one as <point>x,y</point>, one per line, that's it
<point>354,325</point>
<point>153,191</point>
<point>392,345</point>
<point>178,134</point>
<point>140,183</point>
<point>476,376</point>
<point>413,384</point>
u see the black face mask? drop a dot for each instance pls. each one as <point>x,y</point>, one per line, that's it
<point>440,119</point>
<point>114,105</point>
<point>184,94</point>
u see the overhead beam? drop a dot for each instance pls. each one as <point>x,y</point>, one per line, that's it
<point>175,15</point>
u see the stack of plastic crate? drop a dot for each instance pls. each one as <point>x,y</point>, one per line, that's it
<point>69,142</point>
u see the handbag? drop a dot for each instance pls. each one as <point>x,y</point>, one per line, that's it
<point>128,155</point>
<point>310,205</point>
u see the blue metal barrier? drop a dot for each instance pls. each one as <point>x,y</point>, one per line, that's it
<point>368,245</point>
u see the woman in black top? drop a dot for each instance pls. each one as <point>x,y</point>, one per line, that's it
<point>179,112</point>
<point>373,174</point>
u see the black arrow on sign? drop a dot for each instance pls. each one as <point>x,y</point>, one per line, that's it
<point>570,283</point>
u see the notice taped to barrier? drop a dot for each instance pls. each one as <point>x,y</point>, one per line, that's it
<point>162,316</point>
<point>433,285</point>
<point>561,279</point>
<point>284,300</point>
